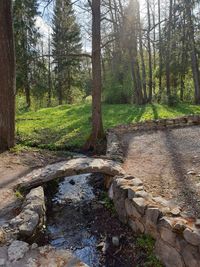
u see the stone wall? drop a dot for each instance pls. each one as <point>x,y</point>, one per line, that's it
<point>177,236</point>
<point>32,216</point>
<point>157,124</point>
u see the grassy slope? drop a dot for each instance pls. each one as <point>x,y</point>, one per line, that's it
<point>69,126</point>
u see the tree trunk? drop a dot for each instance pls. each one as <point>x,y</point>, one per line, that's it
<point>27,92</point>
<point>183,58</point>
<point>7,80</point>
<point>59,86</point>
<point>97,124</point>
<point>168,53</point>
<point>149,52</point>
<point>160,54</point>
<point>135,73</point>
<point>49,72</point>
<point>193,53</point>
<point>154,47</point>
<point>144,86</point>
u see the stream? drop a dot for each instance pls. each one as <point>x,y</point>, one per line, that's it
<point>79,219</point>
<point>69,224</point>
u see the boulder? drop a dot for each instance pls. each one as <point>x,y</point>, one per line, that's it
<point>119,196</point>
<point>137,226</point>
<point>192,236</point>
<point>17,250</point>
<point>140,204</point>
<point>30,223</point>
<point>131,209</point>
<point>168,254</point>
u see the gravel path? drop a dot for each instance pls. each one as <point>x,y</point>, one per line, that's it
<point>168,162</point>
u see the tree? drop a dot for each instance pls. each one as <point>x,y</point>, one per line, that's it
<point>66,41</point>
<point>160,53</point>
<point>7,74</point>
<point>193,51</point>
<point>26,37</point>
<point>97,124</point>
<point>149,51</point>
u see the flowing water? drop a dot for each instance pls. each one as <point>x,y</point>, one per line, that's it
<point>80,219</point>
<point>70,218</point>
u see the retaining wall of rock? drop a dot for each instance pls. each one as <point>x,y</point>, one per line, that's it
<point>33,214</point>
<point>177,235</point>
<point>159,124</point>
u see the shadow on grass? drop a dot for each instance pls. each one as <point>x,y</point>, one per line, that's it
<point>64,128</point>
<point>140,111</point>
<point>122,114</point>
<point>155,111</point>
<point>184,109</point>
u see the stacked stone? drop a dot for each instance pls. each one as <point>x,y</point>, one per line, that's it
<point>177,237</point>
<point>21,254</point>
<point>33,214</point>
<point>158,124</point>
<point>114,150</point>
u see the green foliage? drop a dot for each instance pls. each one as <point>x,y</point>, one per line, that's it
<point>26,37</point>
<point>108,203</point>
<point>19,195</point>
<point>66,41</point>
<point>69,126</point>
<point>146,243</point>
<point>117,82</point>
<point>19,148</point>
<point>173,100</point>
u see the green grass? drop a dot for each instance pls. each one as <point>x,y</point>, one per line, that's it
<point>69,126</point>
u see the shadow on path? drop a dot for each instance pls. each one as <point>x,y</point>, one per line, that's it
<point>184,186</point>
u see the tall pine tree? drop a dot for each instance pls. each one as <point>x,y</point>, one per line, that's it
<point>66,46</point>
<point>26,36</point>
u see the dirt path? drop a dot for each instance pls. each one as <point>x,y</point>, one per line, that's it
<point>12,167</point>
<point>168,162</point>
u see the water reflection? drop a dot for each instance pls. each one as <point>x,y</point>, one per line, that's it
<point>70,219</point>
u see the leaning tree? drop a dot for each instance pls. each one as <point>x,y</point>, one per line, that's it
<point>7,77</point>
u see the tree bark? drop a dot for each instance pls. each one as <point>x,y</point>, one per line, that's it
<point>149,52</point>
<point>49,72</point>
<point>144,86</point>
<point>160,53</point>
<point>97,124</point>
<point>168,53</point>
<point>27,91</point>
<point>193,53</point>
<point>7,80</point>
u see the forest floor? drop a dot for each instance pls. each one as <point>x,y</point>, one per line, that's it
<point>168,162</point>
<point>68,126</point>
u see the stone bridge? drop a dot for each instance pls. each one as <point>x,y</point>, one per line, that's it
<point>69,168</point>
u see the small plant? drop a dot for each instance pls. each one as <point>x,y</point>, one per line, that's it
<point>108,203</point>
<point>146,243</point>
<point>19,195</point>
